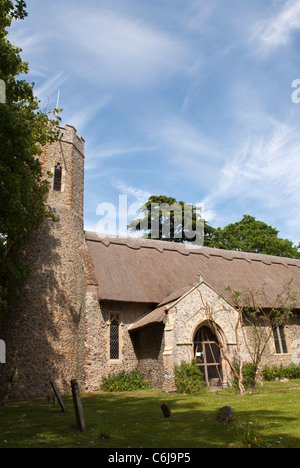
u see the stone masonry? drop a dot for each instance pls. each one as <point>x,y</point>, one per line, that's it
<point>41,333</point>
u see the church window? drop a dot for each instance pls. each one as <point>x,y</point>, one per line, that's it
<point>114,337</point>
<point>57,177</point>
<point>280,340</point>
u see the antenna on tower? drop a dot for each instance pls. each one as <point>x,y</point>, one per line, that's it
<point>58,96</point>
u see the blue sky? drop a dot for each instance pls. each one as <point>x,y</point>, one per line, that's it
<point>190,99</point>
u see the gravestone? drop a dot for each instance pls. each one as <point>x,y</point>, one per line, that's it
<point>10,382</point>
<point>57,396</point>
<point>78,405</point>
<point>166,410</point>
<point>224,415</point>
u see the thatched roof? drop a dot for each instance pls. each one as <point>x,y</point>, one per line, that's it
<point>157,272</point>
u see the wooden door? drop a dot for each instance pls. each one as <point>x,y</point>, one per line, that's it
<point>208,356</point>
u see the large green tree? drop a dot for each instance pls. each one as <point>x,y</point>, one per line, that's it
<point>165,218</point>
<point>24,130</point>
<point>252,235</point>
<point>247,235</point>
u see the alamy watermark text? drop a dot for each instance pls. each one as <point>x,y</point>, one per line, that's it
<point>296,93</point>
<point>183,222</point>
<point>2,92</point>
<point>2,352</point>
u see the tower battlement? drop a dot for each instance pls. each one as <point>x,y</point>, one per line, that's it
<point>68,134</point>
<point>64,159</point>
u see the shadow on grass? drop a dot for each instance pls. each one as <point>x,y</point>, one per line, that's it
<point>136,421</point>
<point>193,425</point>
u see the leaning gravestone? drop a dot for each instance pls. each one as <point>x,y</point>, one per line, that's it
<point>57,395</point>
<point>166,410</point>
<point>78,405</point>
<point>224,415</point>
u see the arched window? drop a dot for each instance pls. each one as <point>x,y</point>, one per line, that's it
<point>280,340</point>
<point>57,177</point>
<point>114,337</point>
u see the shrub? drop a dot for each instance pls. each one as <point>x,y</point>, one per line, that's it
<point>249,371</point>
<point>124,382</point>
<point>292,371</point>
<point>272,373</point>
<point>189,378</point>
<point>267,373</point>
<point>248,375</point>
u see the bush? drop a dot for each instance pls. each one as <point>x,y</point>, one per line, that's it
<point>189,378</point>
<point>249,371</point>
<point>289,372</point>
<point>271,373</point>
<point>124,382</point>
<point>248,375</point>
<point>292,371</point>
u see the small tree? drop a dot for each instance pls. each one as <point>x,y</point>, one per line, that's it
<point>259,316</point>
<point>256,318</point>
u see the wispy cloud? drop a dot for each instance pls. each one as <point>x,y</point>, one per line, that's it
<point>138,195</point>
<point>116,48</point>
<point>28,39</point>
<point>82,112</point>
<point>188,151</point>
<point>198,15</point>
<point>112,150</point>
<point>184,139</point>
<point>264,173</point>
<point>279,29</point>
<point>50,86</point>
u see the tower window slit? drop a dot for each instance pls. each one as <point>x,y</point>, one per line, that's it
<point>57,178</point>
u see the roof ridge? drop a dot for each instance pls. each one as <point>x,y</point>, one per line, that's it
<point>139,242</point>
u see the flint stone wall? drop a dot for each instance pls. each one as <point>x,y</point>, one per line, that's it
<point>41,333</point>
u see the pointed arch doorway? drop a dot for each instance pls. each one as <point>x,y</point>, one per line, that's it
<point>208,356</point>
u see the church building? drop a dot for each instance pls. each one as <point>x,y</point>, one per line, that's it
<point>97,304</point>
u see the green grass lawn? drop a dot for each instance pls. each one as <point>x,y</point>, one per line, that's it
<point>268,418</point>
